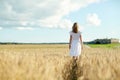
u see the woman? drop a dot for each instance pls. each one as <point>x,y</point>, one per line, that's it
<point>75,43</point>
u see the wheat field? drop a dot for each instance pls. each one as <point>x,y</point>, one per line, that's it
<point>52,62</point>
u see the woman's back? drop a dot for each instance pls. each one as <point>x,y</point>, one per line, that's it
<point>75,36</point>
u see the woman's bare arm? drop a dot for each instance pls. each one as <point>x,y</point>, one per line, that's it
<point>81,41</point>
<point>70,41</point>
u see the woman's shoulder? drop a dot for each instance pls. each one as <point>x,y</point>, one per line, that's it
<point>79,32</point>
<point>70,32</point>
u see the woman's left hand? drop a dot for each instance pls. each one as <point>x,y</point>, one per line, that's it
<point>69,46</point>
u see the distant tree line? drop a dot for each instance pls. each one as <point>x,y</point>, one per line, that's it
<point>96,41</point>
<point>8,43</point>
<point>103,41</point>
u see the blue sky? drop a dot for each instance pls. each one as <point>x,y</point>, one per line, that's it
<point>50,21</point>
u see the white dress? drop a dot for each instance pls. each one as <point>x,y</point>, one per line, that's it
<point>75,49</point>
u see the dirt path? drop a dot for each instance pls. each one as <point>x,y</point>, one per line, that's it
<point>73,72</point>
<point>70,71</point>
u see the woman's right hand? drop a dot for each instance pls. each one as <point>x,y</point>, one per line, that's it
<point>82,46</point>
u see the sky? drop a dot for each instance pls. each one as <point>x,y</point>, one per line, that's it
<point>50,21</point>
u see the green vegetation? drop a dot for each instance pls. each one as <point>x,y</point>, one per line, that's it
<point>117,45</point>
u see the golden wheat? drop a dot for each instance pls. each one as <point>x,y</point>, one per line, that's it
<point>52,62</point>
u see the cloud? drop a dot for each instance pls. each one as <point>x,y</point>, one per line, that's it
<point>93,19</point>
<point>39,13</point>
<point>24,28</point>
<point>1,28</point>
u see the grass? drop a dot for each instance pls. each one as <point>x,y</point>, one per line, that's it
<point>52,62</point>
<point>117,45</point>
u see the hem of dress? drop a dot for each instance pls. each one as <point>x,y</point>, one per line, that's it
<point>75,55</point>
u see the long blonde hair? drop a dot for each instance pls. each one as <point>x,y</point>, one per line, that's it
<point>75,28</point>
